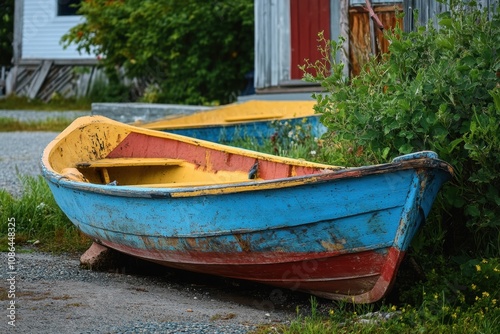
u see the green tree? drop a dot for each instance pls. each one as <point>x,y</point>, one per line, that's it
<point>193,51</point>
<point>6,31</point>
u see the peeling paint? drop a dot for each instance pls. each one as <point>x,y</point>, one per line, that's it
<point>332,246</point>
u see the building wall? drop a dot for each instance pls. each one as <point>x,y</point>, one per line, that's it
<point>273,41</point>
<point>42,31</point>
<point>421,12</point>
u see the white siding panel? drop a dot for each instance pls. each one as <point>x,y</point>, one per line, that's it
<point>272,42</point>
<point>43,29</point>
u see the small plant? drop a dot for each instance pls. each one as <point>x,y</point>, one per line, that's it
<point>294,139</point>
<point>290,139</point>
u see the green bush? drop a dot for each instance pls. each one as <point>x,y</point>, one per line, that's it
<point>6,31</point>
<point>194,51</point>
<point>439,90</point>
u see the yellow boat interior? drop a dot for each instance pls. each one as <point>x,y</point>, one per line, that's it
<point>98,150</point>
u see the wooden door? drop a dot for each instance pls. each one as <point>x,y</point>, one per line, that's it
<point>307,19</point>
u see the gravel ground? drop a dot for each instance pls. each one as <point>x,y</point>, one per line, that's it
<point>54,295</point>
<point>20,156</point>
<point>21,151</point>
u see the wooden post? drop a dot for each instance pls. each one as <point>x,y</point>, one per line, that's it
<point>17,43</point>
<point>17,46</point>
<point>344,33</point>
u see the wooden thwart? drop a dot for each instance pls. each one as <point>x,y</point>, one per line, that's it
<point>104,164</point>
<point>189,184</point>
<point>129,162</point>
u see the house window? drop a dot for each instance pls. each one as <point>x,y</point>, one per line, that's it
<point>67,7</point>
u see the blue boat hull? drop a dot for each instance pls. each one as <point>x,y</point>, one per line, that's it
<point>259,131</point>
<point>339,234</point>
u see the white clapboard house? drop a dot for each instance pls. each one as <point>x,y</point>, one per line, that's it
<point>41,66</point>
<point>285,34</point>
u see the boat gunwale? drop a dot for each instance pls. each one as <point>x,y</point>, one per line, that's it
<point>161,126</point>
<point>417,160</point>
<point>250,185</point>
<point>252,104</point>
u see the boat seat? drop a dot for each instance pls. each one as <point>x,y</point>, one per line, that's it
<point>104,164</point>
<point>189,184</point>
<point>129,162</point>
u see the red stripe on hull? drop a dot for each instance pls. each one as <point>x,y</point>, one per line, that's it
<point>362,277</point>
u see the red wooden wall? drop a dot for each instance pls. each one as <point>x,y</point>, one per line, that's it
<point>307,19</point>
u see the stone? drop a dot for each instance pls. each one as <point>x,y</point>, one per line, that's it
<point>99,257</point>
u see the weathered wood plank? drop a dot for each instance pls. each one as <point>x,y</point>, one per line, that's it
<point>39,78</point>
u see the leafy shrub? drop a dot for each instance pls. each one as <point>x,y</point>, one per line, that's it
<point>439,90</point>
<point>195,51</point>
<point>6,31</point>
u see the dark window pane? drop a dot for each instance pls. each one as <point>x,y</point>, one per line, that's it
<point>67,7</point>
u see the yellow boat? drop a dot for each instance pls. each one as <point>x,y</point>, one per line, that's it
<point>254,119</point>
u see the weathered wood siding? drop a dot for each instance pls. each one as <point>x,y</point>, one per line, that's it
<point>362,31</point>
<point>428,10</point>
<point>272,42</point>
<point>42,31</point>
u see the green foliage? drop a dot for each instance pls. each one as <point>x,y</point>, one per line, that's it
<point>194,51</point>
<point>439,90</point>
<point>289,139</point>
<point>446,303</point>
<point>6,31</point>
<point>38,219</point>
<point>109,89</point>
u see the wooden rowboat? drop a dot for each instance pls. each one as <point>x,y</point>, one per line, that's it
<point>335,232</point>
<point>255,119</point>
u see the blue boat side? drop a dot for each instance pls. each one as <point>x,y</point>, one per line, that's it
<point>259,130</point>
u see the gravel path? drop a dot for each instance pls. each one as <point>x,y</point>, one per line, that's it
<point>20,156</point>
<point>20,152</point>
<point>29,115</point>
<point>54,295</point>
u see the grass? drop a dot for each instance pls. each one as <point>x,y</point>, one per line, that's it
<point>38,220</point>
<point>56,104</point>
<point>434,315</point>
<point>56,124</point>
